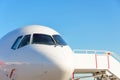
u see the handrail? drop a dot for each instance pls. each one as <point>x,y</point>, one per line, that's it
<point>79,51</point>
<point>90,51</point>
<point>116,56</point>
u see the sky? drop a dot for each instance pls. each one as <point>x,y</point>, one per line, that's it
<point>84,24</point>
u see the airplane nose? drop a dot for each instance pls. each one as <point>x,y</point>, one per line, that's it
<point>58,62</point>
<point>66,69</point>
<point>64,60</point>
<point>61,68</point>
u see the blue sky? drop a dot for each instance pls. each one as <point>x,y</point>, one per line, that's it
<point>84,24</point>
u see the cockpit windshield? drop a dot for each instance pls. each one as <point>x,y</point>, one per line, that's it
<point>38,39</point>
<point>42,39</point>
<point>59,40</point>
<point>48,40</point>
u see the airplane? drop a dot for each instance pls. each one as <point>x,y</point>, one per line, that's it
<point>35,53</point>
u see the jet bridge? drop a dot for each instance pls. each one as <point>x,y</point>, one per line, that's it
<point>102,65</point>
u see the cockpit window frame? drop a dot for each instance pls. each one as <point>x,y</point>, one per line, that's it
<point>53,38</point>
<point>21,43</point>
<point>59,40</point>
<point>17,42</point>
<point>44,43</point>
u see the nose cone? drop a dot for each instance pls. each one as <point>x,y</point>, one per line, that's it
<point>60,62</point>
<point>66,63</point>
<point>63,58</point>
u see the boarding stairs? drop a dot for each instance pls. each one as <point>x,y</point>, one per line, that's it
<point>103,65</point>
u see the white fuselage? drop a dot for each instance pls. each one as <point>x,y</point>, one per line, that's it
<point>42,62</point>
<point>35,61</point>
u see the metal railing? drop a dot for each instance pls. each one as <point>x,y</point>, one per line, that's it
<point>116,56</point>
<point>79,51</point>
<point>90,51</point>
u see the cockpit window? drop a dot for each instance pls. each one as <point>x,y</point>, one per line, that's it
<point>25,41</point>
<point>42,39</point>
<point>16,43</point>
<point>38,39</point>
<point>59,40</point>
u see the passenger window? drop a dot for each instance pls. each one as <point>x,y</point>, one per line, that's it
<point>42,39</point>
<point>16,43</point>
<point>25,41</point>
